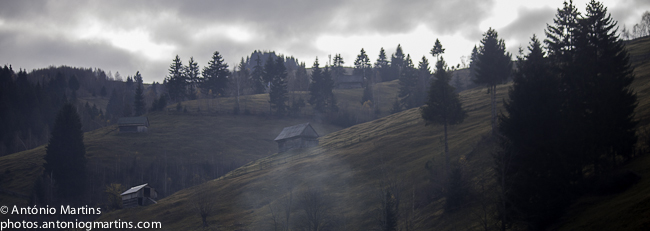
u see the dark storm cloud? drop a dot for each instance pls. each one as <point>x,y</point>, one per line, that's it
<point>289,26</point>
<point>529,22</point>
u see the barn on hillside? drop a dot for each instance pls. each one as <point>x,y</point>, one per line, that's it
<point>297,136</point>
<point>133,124</point>
<point>140,195</point>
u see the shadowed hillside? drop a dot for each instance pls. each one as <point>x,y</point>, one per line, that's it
<point>188,149</point>
<point>351,166</point>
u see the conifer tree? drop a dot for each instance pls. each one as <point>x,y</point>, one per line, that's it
<point>533,181</point>
<point>215,75</point>
<point>192,72</point>
<point>493,67</point>
<point>138,102</point>
<point>278,93</point>
<point>381,65</point>
<point>269,71</point>
<point>424,76</point>
<point>256,77</point>
<point>409,90</point>
<point>396,64</point>
<point>609,102</point>
<point>302,78</point>
<point>66,155</point>
<point>443,105</point>
<point>337,66</point>
<point>176,80</point>
<point>320,89</point>
<point>362,66</point>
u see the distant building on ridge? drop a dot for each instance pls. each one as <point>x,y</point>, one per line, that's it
<point>133,124</point>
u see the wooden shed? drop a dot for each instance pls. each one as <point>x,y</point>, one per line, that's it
<point>140,195</point>
<point>133,124</point>
<point>297,136</point>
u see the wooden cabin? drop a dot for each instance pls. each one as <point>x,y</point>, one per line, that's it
<point>133,124</point>
<point>297,136</point>
<point>140,195</point>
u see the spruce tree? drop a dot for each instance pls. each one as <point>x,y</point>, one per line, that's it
<point>302,78</point>
<point>66,155</point>
<point>269,71</point>
<point>534,184</point>
<point>409,89</point>
<point>424,76</point>
<point>609,102</point>
<point>362,66</point>
<point>493,67</point>
<point>443,105</point>
<point>396,65</point>
<point>176,81</point>
<point>381,65</point>
<point>138,102</point>
<point>320,89</point>
<point>278,93</point>
<point>337,66</point>
<point>192,72</point>
<point>215,75</point>
<point>256,77</point>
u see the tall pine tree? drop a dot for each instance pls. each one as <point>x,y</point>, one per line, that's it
<point>256,77</point>
<point>493,67</point>
<point>278,93</point>
<point>409,89</point>
<point>534,180</point>
<point>193,81</point>
<point>138,102</point>
<point>443,105</point>
<point>320,89</point>
<point>176,81</point>
<point>215,76</point>
<point>66,156</point>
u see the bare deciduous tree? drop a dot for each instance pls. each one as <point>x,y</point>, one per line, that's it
<point>204,205</point>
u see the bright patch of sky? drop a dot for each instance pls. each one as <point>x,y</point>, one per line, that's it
<point>135,40</point>
<point>417,42</point>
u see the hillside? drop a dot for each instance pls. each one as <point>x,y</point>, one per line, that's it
<point>347,163</point>
<point>349,101</point>
<point>188,149</point>
<point>350,165</point>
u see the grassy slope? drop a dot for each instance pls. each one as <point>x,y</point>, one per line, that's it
<point>184,137</point>
<point>348,99</point>
<point>190,139</point>
<point>349,164</point>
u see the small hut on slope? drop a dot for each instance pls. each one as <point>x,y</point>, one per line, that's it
<point>297,136</point>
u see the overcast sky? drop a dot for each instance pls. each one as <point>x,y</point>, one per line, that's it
<point>130,36</point>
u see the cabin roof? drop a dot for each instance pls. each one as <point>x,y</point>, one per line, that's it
<point>134,189</point>
<point>133,121</point>
<point>294,131</point>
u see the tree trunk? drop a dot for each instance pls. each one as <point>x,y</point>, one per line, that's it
<point>494,108</point>
<point>446,150</point>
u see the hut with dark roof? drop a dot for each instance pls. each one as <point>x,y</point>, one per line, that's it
<point>297,136</point>
<point>133,124</point>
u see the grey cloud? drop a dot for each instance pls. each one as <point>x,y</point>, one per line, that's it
<point>26,50</point>
<point>529,22</point>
